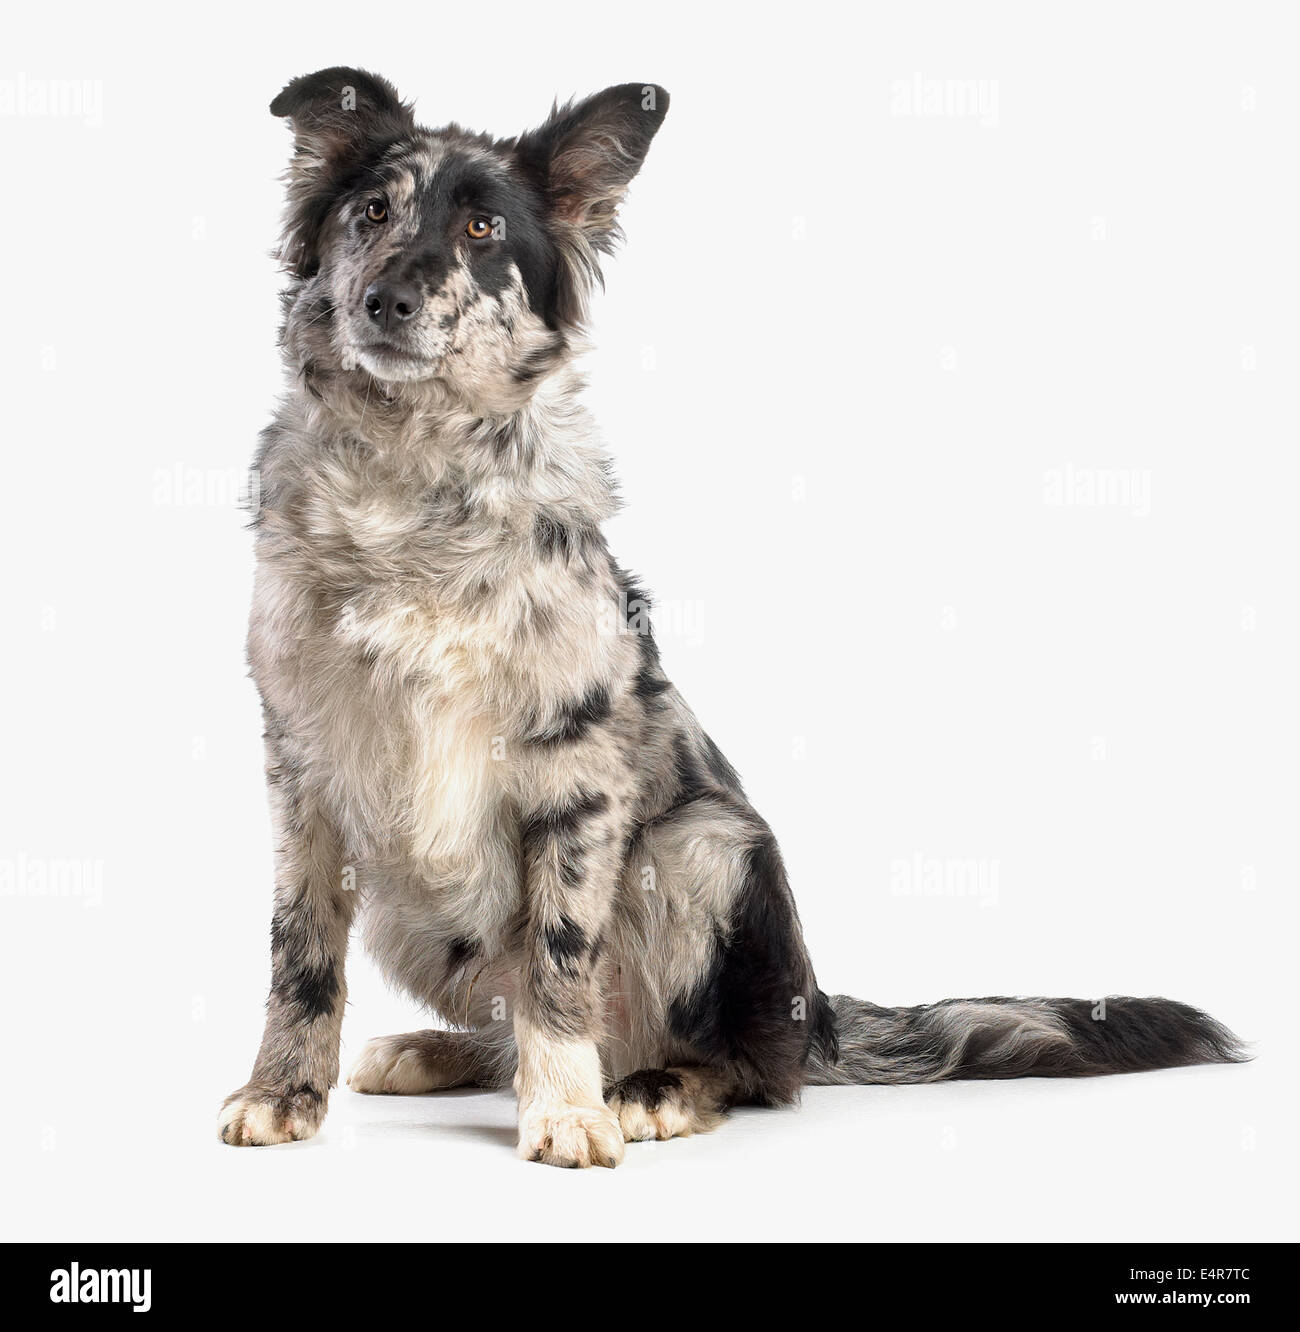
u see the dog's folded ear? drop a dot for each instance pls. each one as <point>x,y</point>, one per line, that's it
<point>336,112</point>
<point>586,154</point>
<point>340,118</point>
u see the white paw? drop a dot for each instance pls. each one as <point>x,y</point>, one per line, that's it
<point>256,1118</point>
<point>656,1104</point>
<point>390,1065</point>
<point>639,1124</point>
<point>574,1136</point>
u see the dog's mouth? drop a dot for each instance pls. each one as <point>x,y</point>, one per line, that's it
<point>386,359</point>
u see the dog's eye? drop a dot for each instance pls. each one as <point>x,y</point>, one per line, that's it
<point>376,210</point>
<point>480,228</point>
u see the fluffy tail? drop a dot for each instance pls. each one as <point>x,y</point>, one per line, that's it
<point>1015,1038</point>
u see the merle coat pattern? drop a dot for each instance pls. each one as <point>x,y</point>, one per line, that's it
<point>471,744</point>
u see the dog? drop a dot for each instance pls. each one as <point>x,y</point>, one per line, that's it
<point>472,746</point>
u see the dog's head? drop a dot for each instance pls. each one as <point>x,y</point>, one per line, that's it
<point>440,255</point>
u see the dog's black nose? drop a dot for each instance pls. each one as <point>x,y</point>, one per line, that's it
<point>390,303</point>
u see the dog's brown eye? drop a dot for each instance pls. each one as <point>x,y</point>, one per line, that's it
<point>480,228</point>
<point>376,210</point>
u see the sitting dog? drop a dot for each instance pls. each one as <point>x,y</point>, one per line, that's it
<point>471,743</point>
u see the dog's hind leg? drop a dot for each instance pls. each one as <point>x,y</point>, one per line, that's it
<point>659,1103</point>
<point>425,1061</point>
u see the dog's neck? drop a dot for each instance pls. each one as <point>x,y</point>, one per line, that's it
<point>544,450</point>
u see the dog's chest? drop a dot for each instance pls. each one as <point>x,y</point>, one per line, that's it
<point>395,635</point>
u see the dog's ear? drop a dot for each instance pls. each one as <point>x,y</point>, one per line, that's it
<point>339,117</point>
<point>586,154</point>
<point>335,112</point>
<point>582,160</point>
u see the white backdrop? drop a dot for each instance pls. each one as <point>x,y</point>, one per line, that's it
<point>950,371</point>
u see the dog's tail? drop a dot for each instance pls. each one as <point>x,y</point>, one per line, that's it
<point>1014,1038</point>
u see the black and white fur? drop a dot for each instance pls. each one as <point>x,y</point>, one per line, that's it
<point>471,744</point>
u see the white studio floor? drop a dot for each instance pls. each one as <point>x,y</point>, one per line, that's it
<point>1188,1154</point>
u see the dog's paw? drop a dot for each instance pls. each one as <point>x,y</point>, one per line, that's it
<point>396,1066</point>
<point>574,1136</point>
<point>260,1117</point>
<point>657,1103</point>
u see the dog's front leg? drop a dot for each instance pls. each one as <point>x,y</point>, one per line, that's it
<point>298,1061</point>
<point>571,868</point>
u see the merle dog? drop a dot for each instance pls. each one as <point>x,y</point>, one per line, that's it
<point>471,742</point>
